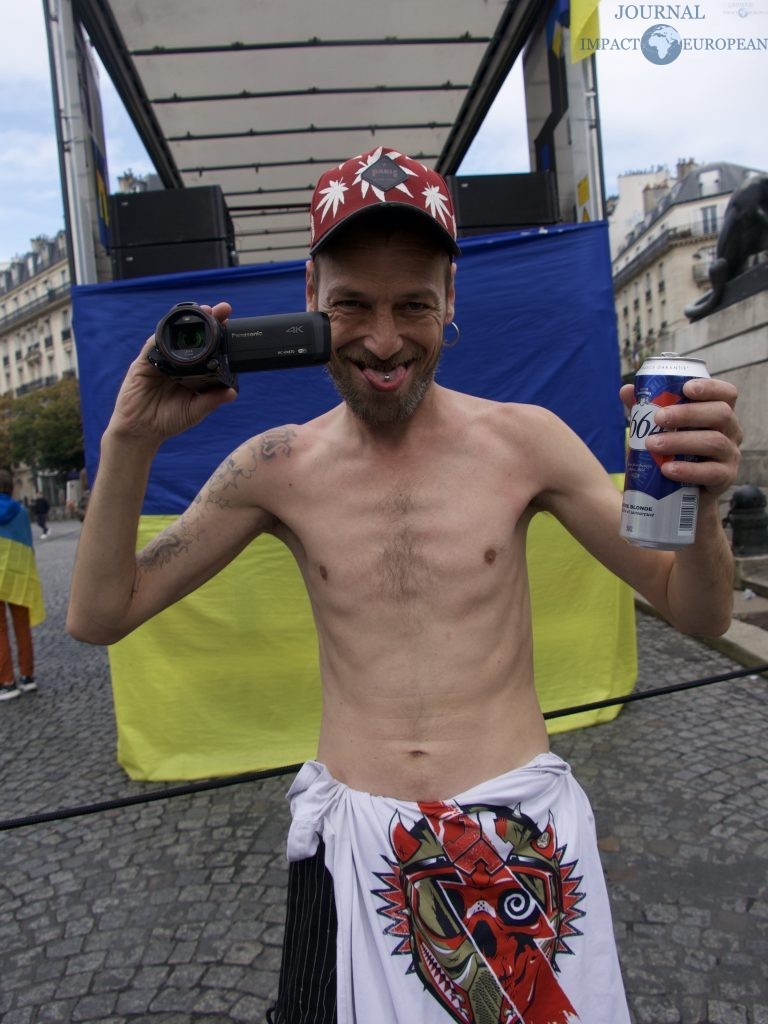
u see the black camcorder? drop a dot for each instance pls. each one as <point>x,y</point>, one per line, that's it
<point>193,348</point>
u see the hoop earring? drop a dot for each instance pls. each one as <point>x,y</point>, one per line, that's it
<point>454,341</point>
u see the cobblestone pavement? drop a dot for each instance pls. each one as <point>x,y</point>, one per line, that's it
<point>171,912</point>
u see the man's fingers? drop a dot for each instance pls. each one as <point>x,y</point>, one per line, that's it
<point>707,389</point>
<point>717,415</point>
<point>627,395</point>
<point>222,311</point>
<point>205,402</point>
<point>707,444</point>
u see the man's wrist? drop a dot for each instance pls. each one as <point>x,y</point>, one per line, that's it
<point>128,443</point>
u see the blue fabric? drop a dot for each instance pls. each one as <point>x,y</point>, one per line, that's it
<point>537,325</point>
<point>14,521</point>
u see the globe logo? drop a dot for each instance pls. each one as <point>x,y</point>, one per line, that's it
<point>661,44</point>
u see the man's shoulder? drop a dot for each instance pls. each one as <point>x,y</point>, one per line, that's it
<point>509,416</point>
<point>287,441</point>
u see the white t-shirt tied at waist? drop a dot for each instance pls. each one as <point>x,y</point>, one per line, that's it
<point>488,907</point>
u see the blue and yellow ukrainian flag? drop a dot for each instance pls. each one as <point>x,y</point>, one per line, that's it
<point>19,581</point>
<point>227,680</point>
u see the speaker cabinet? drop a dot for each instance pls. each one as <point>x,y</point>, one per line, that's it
<point>169,231</point>
<point>485,203</point>
<point>151,260</point>
<point>169,215</point>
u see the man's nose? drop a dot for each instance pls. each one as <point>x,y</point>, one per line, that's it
<point>383,337</point>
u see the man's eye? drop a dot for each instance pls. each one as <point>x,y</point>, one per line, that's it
<point>416,307</point>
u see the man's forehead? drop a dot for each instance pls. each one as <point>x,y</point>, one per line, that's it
<point>352,288</point>
<point>418,268</point>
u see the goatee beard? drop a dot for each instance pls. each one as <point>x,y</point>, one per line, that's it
<point>395,409</point>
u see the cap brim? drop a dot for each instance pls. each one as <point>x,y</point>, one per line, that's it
<point>443,237</point>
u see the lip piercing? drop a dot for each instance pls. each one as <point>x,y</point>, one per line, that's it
<point>387,377</point>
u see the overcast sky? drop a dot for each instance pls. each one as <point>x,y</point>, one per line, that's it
<point>707,104</point>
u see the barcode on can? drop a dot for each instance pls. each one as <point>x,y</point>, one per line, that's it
<point>687,513</point>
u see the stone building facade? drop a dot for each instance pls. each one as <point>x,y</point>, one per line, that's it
<point>660,264</point>
<point>37,346</point>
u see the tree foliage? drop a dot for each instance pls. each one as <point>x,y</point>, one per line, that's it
<point>44,428</point>
<point>6,412</point>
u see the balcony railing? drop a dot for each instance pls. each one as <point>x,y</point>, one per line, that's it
<point>36,306</point>
<point>658,246</point>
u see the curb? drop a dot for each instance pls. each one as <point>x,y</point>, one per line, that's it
<point>743,643</point>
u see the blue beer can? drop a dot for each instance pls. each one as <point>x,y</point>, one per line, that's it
<point>657,512</point>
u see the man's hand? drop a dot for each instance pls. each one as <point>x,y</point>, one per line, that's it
<point>705,426</point>
<point>152,407</point>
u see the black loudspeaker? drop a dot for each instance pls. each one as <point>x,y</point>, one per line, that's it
<point>150,260</point>
<point>169,215</point>
<point>170,231</point>
<point>485,203</point>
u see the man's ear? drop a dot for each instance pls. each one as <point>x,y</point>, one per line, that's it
<point>450,309</point>
<point>311,287</point>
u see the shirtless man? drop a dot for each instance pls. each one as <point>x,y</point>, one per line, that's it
<point>432,879</point>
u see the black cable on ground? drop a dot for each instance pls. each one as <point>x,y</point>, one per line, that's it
<point>236,780</point>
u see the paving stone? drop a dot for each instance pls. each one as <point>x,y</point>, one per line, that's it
<point>94,1008</point>
<point>726,1013</point>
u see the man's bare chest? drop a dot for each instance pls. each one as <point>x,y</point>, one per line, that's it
<point>403,535</point>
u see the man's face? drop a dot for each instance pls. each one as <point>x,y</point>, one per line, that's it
<point>388,297</point>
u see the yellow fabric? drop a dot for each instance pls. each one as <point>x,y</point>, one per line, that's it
<point>584,25</point>
<point>557,40</point>
<point>226,681</point>
<point>584,640</point>
<point>19,582</point>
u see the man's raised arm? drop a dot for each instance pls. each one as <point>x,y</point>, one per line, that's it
<point>693,587</point>
<point>113,589</point>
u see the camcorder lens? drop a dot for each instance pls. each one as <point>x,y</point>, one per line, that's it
<point>186,335</point>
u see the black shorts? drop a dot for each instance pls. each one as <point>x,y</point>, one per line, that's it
<point>307,990</point>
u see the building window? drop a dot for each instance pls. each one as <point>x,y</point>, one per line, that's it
<point>709,219</point>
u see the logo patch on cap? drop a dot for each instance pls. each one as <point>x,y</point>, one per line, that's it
<point>384,174</point>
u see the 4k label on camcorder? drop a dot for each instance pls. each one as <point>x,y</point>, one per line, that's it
<point>657,512</point>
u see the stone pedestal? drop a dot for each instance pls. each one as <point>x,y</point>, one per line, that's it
<point>733,341</point>
<point>751,571</point>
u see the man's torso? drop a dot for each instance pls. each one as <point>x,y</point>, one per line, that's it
<point>414,560</point>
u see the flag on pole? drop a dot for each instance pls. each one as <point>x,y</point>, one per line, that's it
<point>584,25</point>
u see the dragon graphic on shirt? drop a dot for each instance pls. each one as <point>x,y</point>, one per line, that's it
<point>481,899</point>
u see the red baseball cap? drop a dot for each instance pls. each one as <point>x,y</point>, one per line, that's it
<point>380,179</point>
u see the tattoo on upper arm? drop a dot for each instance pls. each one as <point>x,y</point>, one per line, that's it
<point>179,537</point>
<point>276,441</point>
<point>169,544</point>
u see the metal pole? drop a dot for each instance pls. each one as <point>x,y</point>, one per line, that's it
<point>48,18</point>
<point>72,139</point>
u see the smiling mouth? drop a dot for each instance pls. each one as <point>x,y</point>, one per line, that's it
<point>383,378</point>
